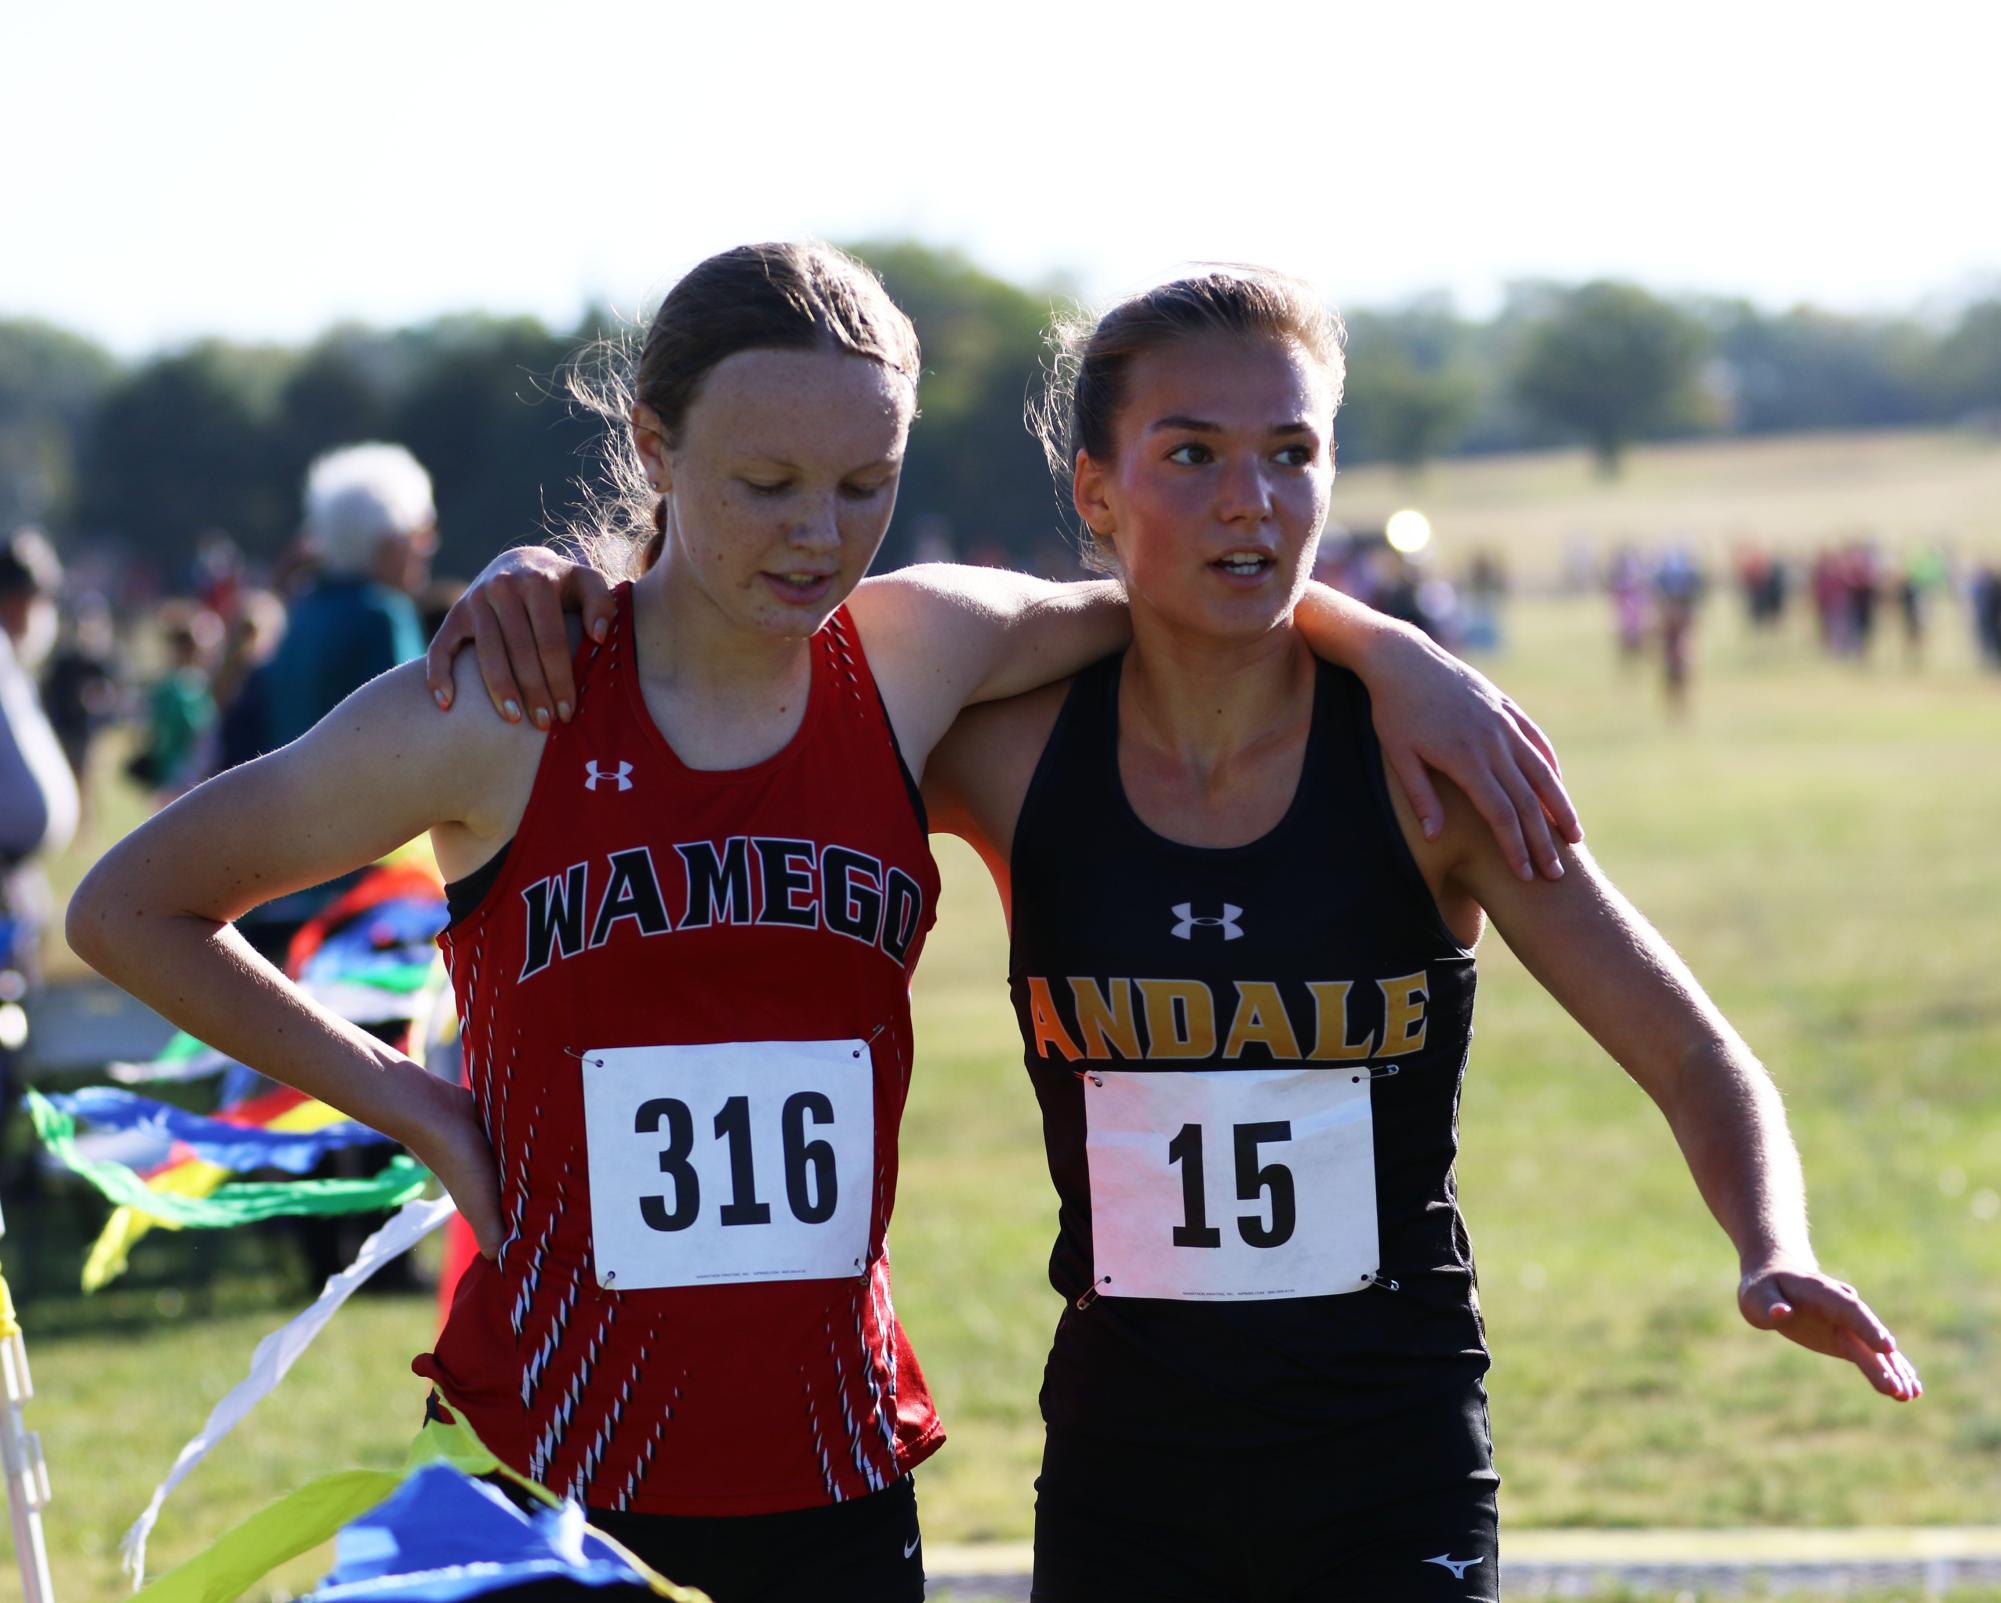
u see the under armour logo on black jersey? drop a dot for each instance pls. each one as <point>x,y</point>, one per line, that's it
<point>592,774</point>
<point>1458,1566</point>
<point>1185,912</point>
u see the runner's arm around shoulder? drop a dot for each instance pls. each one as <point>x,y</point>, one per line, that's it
<point>1613,972</point>
<point>1433,711</point>
<point>155,913</point>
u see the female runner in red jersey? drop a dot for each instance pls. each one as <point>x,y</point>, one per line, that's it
<point>1268,1379</point>
<point>684,923</point>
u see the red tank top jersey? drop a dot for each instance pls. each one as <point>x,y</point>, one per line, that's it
<point>685,1010</point>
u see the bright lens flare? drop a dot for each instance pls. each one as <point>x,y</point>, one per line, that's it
<point>1408,531</point>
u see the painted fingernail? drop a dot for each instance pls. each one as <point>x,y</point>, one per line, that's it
<point>1556,868</point>
<point>511,711</point>
<point>563,711</point>
<point>1528,872</point>
<point>1431,829</point>
<point>599,630</point>
<point>541,717</point>
<point>443,698</point>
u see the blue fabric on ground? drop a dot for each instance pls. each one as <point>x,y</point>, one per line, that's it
<point>445,1536</point>
<point>235,1147</point>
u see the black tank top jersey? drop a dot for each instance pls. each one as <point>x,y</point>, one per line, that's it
<point>1316,949</point>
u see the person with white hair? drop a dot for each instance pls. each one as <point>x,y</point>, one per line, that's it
<point>371,521</point>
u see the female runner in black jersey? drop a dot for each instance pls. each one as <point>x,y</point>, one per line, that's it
<point>1244,976</point>
<point>1268,1380</point>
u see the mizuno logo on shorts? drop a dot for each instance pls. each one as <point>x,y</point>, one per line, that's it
<point>1458,1566</point>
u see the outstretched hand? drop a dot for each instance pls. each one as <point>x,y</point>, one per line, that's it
<point>1826,1316</point>
<point>513,616</point>
<point>1433,711</point>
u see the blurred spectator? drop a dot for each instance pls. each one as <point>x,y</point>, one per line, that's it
<point>370,518</point>
<point>1847,584</point>
<point>1924,574</point>
<point>80,684</point>
<point>38,794</point>
<point>1828,611</point>
<point>38,797</point>
<point>1363,564</point>
<point>217,574</point>
<point>181,710</point>
<point>1632,610</point>
<point>1480,617</point>
<point>249,642</point>
<point>1678,587</point>
<point>1762,581</point>
<point>1864,580</point>
<point>1984,594</point>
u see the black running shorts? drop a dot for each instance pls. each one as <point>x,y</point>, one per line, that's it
<point>1401,1511</point>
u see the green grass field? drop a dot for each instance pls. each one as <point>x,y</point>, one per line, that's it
<point>1819,840</point>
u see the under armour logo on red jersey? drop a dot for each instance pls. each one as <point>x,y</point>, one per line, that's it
<point>1185,929</point>
<point>592,774</point>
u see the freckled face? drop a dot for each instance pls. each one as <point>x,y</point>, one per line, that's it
<point>780,488</point>
<point>1219,490</point>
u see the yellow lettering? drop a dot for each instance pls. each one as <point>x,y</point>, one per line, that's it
<point>1049,1029</point>
<point>1330,1024</point>
<point>1165,1035</point>
<point>1261,1017</point>
<point>1106,1023</point>
<point>1404,1000</point>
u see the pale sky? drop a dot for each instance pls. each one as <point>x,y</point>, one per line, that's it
<point>263,169</point>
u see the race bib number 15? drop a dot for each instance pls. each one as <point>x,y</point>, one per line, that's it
<point>745,1160</point>
<point>1231,1184</point>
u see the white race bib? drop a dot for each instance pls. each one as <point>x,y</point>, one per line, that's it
<point>1231,1184</point>
<point>746,1160</point>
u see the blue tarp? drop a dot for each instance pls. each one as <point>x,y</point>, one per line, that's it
<point>445,1536</point>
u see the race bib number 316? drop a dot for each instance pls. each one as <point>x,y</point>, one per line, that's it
<point>745,1160</point>
<point>1231,1184</point>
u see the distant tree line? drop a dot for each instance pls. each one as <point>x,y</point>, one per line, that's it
<point>216,435</point>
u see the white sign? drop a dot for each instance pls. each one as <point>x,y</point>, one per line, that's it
<point>744,1160</point>
<point>1223,1184</point>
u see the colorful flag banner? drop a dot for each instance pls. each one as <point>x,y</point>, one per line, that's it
<point>399,1182</point>
<point>278,1109</point>
<point>223,1142</point>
